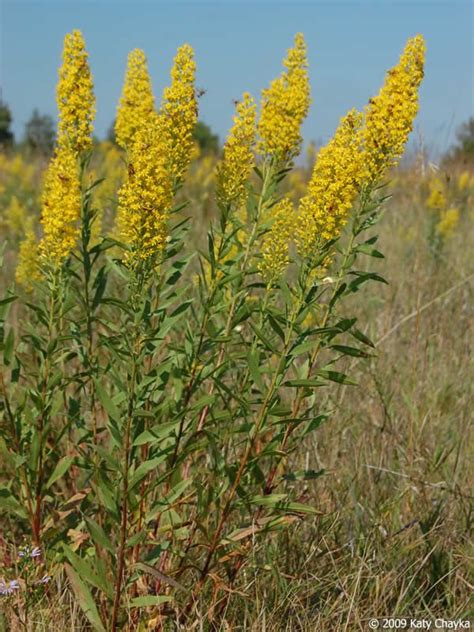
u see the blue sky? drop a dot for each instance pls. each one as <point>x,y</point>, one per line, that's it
<point>239,46</point>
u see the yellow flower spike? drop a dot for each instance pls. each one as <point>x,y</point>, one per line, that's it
<point>463,180</point>
<point>448,222</point>
<point>238,158</point>
<point>75,96</point>
<point>437,198</point>
<point>390,115</point>
<point>27,269</point>
<point>146,196</point>
<point>335,182</point>
<point>15,215</point>
<point>285,104</point>
<point>179,111</point>
<point>61,206</point>
<point>275,248</point>
<point>137,103</point>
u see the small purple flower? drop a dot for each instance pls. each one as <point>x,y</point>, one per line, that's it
<point>7,589</point>
<point>36,552</point>
<point>44,580</point>
<point>27,551</point>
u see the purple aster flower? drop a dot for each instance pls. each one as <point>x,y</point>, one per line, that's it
<point>36,552</point>
<point>7,589</point>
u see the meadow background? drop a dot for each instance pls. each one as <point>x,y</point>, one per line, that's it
<point>394,462</point>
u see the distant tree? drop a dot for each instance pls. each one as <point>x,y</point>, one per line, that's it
<point>40,133</point>
<point>111,133</point>
<point>208,141</point>
<point>6,135</point>
<point>464,147</point>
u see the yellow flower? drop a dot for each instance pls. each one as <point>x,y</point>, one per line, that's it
<point>275,248</point>
<point>179,112</point>
<point>75,96</point>
<point>335,182</point>
<point>238,158</point>
<point>448,222</point>
<point>390,115</point>
<point>146,197</point>
<point>285,104</point>
<point>15,216</point>
<point>27,269</point>
<point>463,180</point>
<point>437,197</point>
<point>137,102</point>
<point>61,202</point>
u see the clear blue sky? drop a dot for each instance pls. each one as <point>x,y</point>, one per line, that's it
<point>239,46</point>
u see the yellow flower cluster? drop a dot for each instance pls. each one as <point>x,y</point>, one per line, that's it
<point>238,159</point>
<point>285,104</point>
<point>75,96</point>
<point>390,115</point>
<point>275,248</point>
<point>15,216</point>
<point>179,112</point>
<point>61,206</point>
<point>27,269</point>
<point>137,103</point>
<point>448,222</point>
<point>465,181</point>
<point>437,196</point>
<point>335,181</point>
<point>147,195</point>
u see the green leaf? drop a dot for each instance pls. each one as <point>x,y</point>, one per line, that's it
<point>149,600</point>
<point>304,475</point>
<point>300,383</point>
<point>107,402</point>
<point>314,424</point>
<point>143,469</point>
<point>362,338</point>
<point>99,536</point>
<point>61,468</point>
<point>367,249</point>
<point>9,299</point>
<point>82,566</point>
<point>8,348</point>
<point>303,347</point>
<point>84,598</point>
<point>10,504</point>
<point>253,359</point>
<point>263,338</point>
<point>351,351</point>
<point>336,376</point>
<point>276,327</point>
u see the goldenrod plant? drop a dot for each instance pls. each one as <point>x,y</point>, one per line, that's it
<point>154,399</point>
